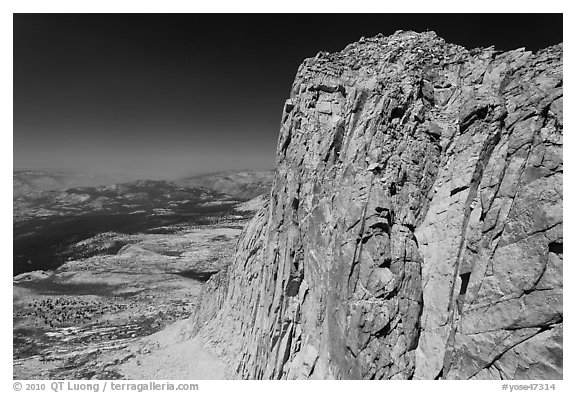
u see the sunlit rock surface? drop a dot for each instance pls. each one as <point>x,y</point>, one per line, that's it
<point>414,228</point>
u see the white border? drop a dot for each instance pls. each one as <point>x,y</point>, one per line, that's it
<point>169,6</point>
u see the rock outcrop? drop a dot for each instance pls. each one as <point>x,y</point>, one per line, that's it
<point>414,228</point>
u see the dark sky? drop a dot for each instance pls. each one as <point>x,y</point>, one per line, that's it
<point>167,95</point>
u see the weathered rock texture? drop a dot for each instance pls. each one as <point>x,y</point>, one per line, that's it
<point>414,229</point>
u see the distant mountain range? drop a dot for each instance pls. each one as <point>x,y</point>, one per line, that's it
<point>143,196</point>
<point>52,211</point>
<point>245,184</point>
<point>31,182</point>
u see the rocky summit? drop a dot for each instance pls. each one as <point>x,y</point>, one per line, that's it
<point>414,227</point>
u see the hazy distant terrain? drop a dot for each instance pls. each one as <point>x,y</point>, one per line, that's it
<point>46,223</point>
<point>53,211</point>
<point>99,268</point>
<point>34,181</point>
<point>246,184</point>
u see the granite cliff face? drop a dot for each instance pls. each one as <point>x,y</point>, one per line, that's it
<point>414,228</point>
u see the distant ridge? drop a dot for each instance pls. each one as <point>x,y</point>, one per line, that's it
<point>26,182</point>
<point>244,183</point>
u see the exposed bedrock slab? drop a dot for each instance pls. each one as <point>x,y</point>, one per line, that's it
<point>414,228</point>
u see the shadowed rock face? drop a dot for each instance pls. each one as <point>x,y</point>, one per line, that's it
<point>414,228</point>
